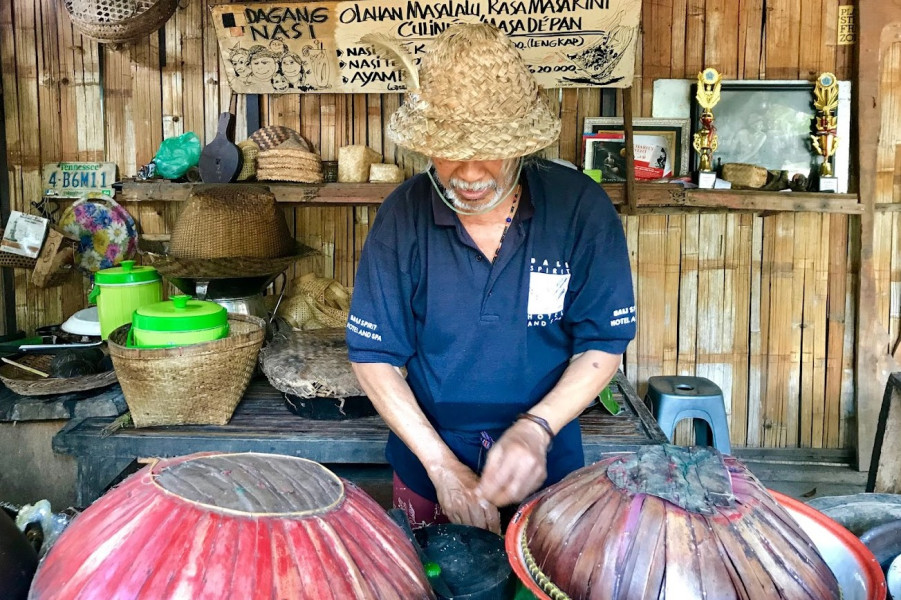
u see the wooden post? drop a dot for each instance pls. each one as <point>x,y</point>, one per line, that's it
<point>631,200</point>
<point>885,468</point>
<point>879,26</point>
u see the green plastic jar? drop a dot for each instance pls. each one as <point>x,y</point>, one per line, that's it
<point>180,321</point>
<point>119,291</point>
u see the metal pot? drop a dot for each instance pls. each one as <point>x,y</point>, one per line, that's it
<point>18,560</point>
<point>472,562</point>
<point>54,334</point>
<point>253,305</point>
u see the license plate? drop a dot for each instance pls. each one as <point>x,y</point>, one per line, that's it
<point>79,179</point>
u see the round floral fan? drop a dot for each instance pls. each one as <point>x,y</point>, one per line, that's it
<point>106,233</point>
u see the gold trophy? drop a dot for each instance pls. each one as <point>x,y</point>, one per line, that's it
<point>705,140</point>
<point>825,140</point>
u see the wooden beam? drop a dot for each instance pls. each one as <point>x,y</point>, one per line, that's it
<point>313,194</point>
<point>649,197</point>
<point>879,26</point>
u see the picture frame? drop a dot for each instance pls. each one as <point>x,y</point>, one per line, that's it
<point>675,132</point>
<point>769,124</point>
<point>605,153</point>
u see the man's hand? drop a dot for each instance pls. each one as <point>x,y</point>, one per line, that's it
<point>456,486</point>
<point>516,465</point>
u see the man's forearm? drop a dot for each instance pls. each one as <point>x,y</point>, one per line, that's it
<point>394,400</point>
<point>580,383</point>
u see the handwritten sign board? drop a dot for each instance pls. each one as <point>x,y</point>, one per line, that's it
<point>291,47</point>
<point>79,179</point>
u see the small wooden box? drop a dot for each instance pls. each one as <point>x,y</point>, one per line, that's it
<point>55,262</point>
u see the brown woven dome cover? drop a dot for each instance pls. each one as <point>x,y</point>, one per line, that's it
<point>231,220</point>
<point>670,522</point>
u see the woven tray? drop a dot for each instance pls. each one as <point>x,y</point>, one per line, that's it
<point>119,21</point>
<point>224,268</point>
<point>28,384</point>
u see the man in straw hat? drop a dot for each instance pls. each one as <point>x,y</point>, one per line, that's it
<point>502,285</point>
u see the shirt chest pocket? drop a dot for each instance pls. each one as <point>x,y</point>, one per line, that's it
<point>547,293</point>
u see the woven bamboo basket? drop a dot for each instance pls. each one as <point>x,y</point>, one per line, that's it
<point>26,383</point>
<point>316,302</point>
<point>745,175</point>
<point>119,21</point>
<point>200,384</point>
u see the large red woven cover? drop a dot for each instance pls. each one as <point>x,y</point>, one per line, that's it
<point>242,526</point>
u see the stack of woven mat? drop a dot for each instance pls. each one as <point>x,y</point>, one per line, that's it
<point>285,156</point>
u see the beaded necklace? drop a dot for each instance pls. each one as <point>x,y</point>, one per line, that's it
<point>507,224</point>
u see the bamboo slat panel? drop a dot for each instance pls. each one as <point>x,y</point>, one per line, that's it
<point>762,305</point>
<point>712,319</point>
<point>721,15</point>
<point>757,338</point>
<point>783,39</point>
<point>739,258</point>
<point>694,44</point>
<point>750,38</point>
<point>651,288</point>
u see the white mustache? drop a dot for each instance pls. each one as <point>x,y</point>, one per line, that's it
<point>475,186</point>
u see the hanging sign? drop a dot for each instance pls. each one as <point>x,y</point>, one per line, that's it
<point>290,47</point>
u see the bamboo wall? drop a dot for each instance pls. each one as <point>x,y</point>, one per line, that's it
<point>761,304</point>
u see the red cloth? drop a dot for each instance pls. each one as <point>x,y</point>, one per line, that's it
<point>420,511</point>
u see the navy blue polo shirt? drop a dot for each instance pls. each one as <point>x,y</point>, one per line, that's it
<point>483,341</point>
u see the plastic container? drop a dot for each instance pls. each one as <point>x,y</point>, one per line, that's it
<point>180,321</point>
<point>121,290</point>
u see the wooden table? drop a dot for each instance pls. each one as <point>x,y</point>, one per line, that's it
<point>262,423</point>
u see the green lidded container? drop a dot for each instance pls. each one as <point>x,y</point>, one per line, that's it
<point>180,321</point>
<point>119,291</point>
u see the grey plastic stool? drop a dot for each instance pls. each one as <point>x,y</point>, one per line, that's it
<point>677,397</point>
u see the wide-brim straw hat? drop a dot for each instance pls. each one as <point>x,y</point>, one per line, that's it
<point>472,98</point>
<point>227,231</point>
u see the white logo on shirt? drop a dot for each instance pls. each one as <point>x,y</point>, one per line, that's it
<point>548,283</point>
<point>623,316</point>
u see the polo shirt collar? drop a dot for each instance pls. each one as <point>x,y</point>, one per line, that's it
<point>445,217</point>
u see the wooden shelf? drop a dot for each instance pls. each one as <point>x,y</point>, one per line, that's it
<point>322,194</point>
<point>652,197</point>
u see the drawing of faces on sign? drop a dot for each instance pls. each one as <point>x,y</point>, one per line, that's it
<point>293,69</point>
<point>279,83</point>
<point>263,64</point>
<point>239,58</point>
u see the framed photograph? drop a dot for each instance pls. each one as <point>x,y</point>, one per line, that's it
<point>606,153</point>
<point>661,145</point>
<point>769,123</point>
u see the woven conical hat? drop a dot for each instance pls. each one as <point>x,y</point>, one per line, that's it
<point>475,100</point>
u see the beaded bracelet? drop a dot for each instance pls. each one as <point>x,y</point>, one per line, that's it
<point>538,421</point>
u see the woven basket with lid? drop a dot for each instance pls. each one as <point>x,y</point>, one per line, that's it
<point>197,384</point>
<point>119,21</point>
